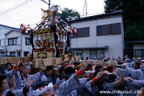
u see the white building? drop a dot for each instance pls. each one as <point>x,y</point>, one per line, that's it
<point>13,42</point>
<point>100,35</point>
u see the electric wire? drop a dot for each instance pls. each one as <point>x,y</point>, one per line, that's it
<point>15,7</point>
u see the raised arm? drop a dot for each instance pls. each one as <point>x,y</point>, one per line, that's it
<point>118,82</point>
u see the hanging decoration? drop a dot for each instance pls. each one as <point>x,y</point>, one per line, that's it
<point>23,28</point>
<point>49,38</point>
<point>74,31</point>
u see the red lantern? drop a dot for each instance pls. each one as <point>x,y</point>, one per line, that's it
<point>74,31</point>
<point>53,20</point>
<point>23,28</point>
<point>55,9</point>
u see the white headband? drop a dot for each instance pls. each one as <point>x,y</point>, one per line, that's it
<point>42,89</point>
<point>120,64</point>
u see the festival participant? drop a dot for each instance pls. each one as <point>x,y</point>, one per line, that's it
<point>137,73</point>
<point>44,89</point>
<point>11,92</point>
<point>77,65</point>
<point>48,75</point>
<point>109,82</point>
<point>98,68</point>
<point>128,63</point>
<point>20,67</point>
<point>133,85</point>
<point>60,79</point>
<point>89,67</point>
<point>9,68</point>
<point>121,66</point>
<point>142,67</point>
<point>73,86</point>
<point>2,70</point>
<point>65,64</point>
<point>22,78</point>
<point>4,86</point>
<point>110,69</point>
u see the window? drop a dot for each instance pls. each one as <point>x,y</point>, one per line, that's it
<point>93,54</point>
<point>26,53</point>
<point>12,54</point>
<point>81,32</point>
<point>139,53</point>
<point>109,29</point>
<point>27,41</point>
<point>18,53</point>
<point>96,54</point>
<point>12,41</point>
<point>77,52</point>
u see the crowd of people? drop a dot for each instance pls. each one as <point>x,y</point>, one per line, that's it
<point>79,78</point>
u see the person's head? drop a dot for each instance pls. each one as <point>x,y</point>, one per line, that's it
<point>69,72</point>
<point>110,69</point>
<point>134,59</point>
<point>65,64</point>
<point>136,65</point>
<point>98,68</point>
<point>89,67</point>
<point>77,65</point>
<point>121,65</point>
<point>3,83</point>
<point>61,72</point>
<point>26,70</point>
<point>119,58</point>
<point>111,78</point>
<point>9,66</point>
<point>49,71</point>
<point>128,60</point>
<point>82,58</point>
<point>20,67</point>
<point>104,76</point>
<point>44,89</point>
<point>87,58</point>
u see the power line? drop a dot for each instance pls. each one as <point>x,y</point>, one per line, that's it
<point>15,7</point>
<point>2,3</point>
<point>30,6</point>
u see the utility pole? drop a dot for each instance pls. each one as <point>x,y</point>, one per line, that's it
<point>47,3</point>
<point>85,9</point>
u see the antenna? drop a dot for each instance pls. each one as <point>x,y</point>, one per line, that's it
<point>85,9</point>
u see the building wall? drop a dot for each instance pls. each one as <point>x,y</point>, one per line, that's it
<point>26,48</point>
<point>115,42</point>
<point>3,31</point>
<point>20,43</point>
<point>5,34</point>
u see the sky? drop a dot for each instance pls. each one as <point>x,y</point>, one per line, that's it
<point>29,11</point>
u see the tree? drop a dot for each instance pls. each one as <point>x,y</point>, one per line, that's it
<point>114,5</point>
<point>67,14</point>
<point>133,16</point>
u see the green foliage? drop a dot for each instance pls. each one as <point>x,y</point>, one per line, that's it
<point>66,14</point>
<point>134,30</point>
<point>133,16</point>
<point>114,5</point>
